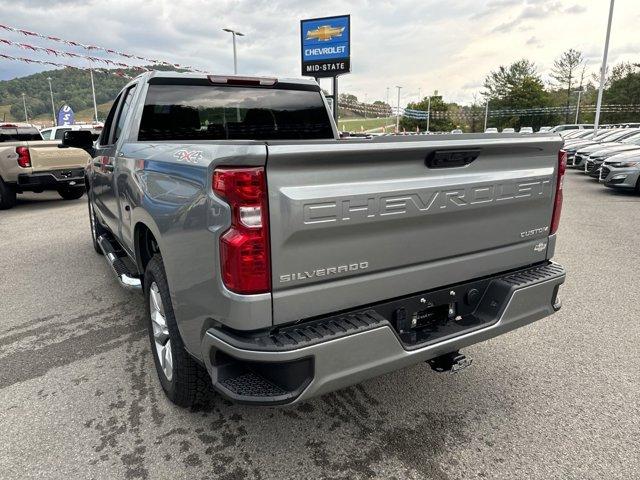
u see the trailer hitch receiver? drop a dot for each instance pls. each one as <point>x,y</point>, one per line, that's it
<point>450,362</point>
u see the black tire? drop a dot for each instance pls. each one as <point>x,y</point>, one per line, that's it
<point>189,383</point>
<point>7,196</point>
<point>96,228</point>
<point>72,193</point>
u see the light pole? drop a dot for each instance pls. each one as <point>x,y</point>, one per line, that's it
<point>428,112</point>
<point>578,105</point>
<point>398,111</point>
<point>235,56</point>
<point>580,93</point>
<point>603,69</point>
<point>486,115</point>
<point>93,91</point>
<point>24,102</point>
<point>53,107</point>
<point>365,106</point>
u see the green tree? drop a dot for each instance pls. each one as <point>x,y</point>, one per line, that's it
<point>624,88</point>
<point>565,70</point>
<point>348,98</point>
<point>440,115</point>
<point>516,86</point>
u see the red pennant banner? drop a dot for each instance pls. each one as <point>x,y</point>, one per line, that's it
<point>95,47</point>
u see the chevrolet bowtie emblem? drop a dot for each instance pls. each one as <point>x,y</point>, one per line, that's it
<point>325,33</point>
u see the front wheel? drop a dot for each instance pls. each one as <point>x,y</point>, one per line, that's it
<point>72,193</point>
<point>184,381</point>
<point>7,196</point>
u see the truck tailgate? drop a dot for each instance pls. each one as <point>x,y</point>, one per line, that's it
<point>355,222</point>
<point>47,156</point>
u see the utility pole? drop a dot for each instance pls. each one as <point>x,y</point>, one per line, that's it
<point>486,115</point>
<point>365,106</point>
<point>398,111</point>
<point>53,106</point>
<point>24,102</point>
<point>578,105</point>
<point>419,94</point>
<point>603,70</point>
<point>428,112</point>
<point>235,56</point>
<point>93,91</point>
<point>579,94</point>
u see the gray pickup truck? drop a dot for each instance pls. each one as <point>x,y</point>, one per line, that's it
<point>279,262</point>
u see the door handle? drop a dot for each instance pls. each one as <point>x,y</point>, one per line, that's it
<point>108,168</point>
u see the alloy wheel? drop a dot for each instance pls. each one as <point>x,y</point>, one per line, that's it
<point>160,331</point>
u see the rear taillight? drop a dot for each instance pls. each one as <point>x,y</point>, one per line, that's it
<point>557,205</point>
<point>24,158</point>
<point>244,248</point>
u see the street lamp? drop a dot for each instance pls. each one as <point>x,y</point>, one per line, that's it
<point>365,106</point>
<point>486,115</point>
<point>24,102</point>
<point>93,91</point>
<point>579,91</point>
<point>398,111</point>
<point>603,69</point>
<point>53,107</point>
<point>234,33</point>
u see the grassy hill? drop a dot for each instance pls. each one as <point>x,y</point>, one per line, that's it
<point>70,86</point>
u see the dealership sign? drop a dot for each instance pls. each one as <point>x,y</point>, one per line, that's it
<point>325,42</point>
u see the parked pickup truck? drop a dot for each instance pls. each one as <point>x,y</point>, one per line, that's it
<point>29,164</point>
<point>279,262</point>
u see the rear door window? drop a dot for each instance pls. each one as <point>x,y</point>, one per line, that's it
<point>203,112</point>
<point>60,133</point>
<point>122,114</point>
<point>106,130</point>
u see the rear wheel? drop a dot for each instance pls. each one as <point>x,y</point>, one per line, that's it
<point>184,381</point>
<point>72,193</point>
<point>7,196</point>
<point>96,229</point>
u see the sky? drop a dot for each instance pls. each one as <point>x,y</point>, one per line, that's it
<point>423,46</point>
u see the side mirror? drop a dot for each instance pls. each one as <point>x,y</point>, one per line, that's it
<point>78,139</point>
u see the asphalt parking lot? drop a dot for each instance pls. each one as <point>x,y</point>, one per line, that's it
<point>557,399</point>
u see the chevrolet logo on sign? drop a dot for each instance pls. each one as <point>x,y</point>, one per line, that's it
<point>325,33</point>
<point>325,45</point>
